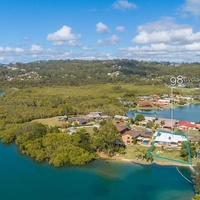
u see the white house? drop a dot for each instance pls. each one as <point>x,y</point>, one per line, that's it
<point>168,138</point>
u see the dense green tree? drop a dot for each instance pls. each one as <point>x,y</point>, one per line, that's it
<point>107,139</point>
<point>184,150</point>
<point>196,197</point>
<point>196,178</point>
<point>139,117</point>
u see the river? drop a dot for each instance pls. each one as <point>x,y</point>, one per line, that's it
<point>22,178</point>
<point>189,112</point>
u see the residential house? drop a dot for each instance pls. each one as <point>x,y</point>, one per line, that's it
<point>155,97</point>
<point>62,118</point>
<point>121,117</point>
<point>166,123</point>
<point>143,98</point>
<point>139,135</point>
<point>94,115</point>
<point>128,137</point>
<point>145,104</point>
<point>186,125</point>
<point>78,121</point>
<point>160,104</point>
<point>167,139</point>
<point>194,139</point>
<point>121,128</point>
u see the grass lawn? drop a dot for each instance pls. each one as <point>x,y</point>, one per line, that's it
<point>132,151</point>
<point>174,154</point>
<point>53,121</point>
<point>88,129</point>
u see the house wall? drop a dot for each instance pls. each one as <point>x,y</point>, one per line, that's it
<point>127,139</point>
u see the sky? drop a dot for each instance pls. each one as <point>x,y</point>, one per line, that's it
<point>150,30</point>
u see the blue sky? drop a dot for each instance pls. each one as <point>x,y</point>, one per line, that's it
<point>152,30</point>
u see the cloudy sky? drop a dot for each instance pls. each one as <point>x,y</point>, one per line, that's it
<point>157,30</point>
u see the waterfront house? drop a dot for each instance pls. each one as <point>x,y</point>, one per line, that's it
<point>168,139</point>
<point>185,125</point>
<point>128,137</point>
<point>160,104</point>
<point>144,104</point>
<point>139,135</point>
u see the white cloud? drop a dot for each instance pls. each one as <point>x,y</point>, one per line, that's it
<point>124,4</point>
<point>113,40</point>
<point>193,47</point>
<point>166,31</point>
<point>164,24</point>
<point>35,48</point>
<point>164,40</point>
<point>120,28</point>
<point>102,28</point>
<point>87,49</point>
<point>192,6</point>
<point>11,50</point>
<point>64,36</point>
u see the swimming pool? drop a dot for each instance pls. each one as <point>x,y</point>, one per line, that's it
<point>145,142</point>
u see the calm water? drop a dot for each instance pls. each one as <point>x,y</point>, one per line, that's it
<point>1,92</point>
<point>188,112</point>
<point>23,179</point>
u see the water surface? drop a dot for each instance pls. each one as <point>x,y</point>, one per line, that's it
<point>22,178</point>
<point>188,112</point>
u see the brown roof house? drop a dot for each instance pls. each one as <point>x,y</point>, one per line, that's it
<point>78,121</point>
<point>121,128</point>
<point>140,135</point>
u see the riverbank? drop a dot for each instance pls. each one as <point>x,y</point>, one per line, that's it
<point>121,158</point>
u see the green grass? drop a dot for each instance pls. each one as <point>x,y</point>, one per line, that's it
<point>53,121</point>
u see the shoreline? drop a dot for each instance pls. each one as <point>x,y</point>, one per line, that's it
<point>141,162</point>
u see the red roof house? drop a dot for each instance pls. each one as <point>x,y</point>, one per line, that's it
<point>145,104</point>
<point>184,125</point>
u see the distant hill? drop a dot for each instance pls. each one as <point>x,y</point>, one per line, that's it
<point>81,72</point>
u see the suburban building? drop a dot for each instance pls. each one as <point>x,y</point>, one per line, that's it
<point>166,123</point>
<point>121,117</point>
<point>168,139</point>
<point>78,121</point>
<point>145,104</point>
<point>139,135</point>
<point>121,128</point>
<point>185,125</point>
